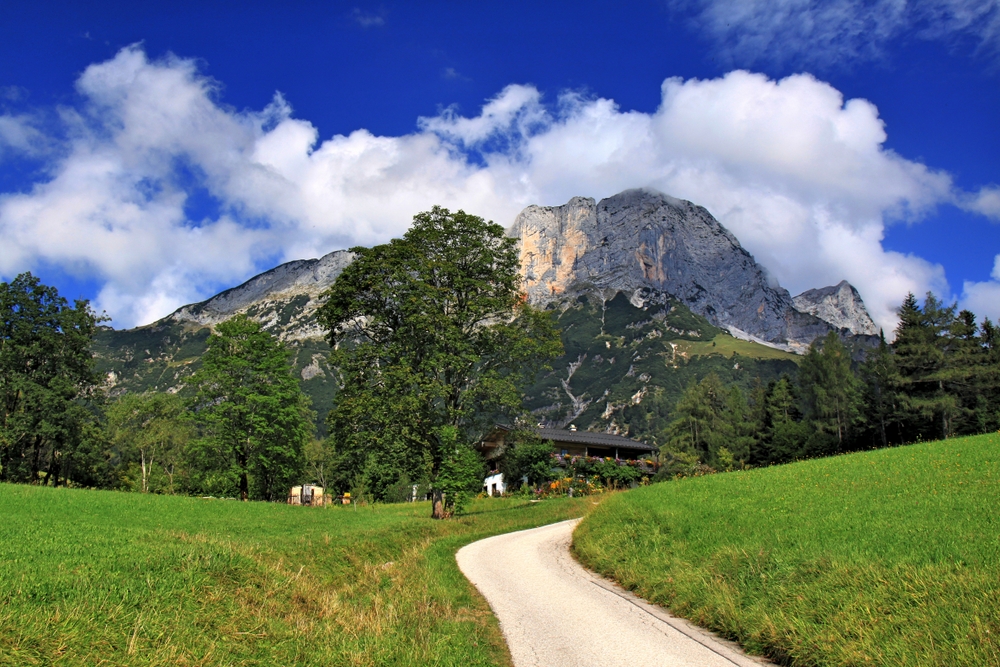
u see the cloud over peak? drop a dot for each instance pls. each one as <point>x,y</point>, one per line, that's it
<point>800,175</point>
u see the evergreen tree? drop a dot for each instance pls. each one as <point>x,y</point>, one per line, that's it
<point>830,390</point>
<point>921,349</point>
<point>786,434</point>
<point>988,389</point>
<point>709,417</point>
<point>255,416</point>
<point>964,373</point>
<point>745,427</point>
<point>880,386</point>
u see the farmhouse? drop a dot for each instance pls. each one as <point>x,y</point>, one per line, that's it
<point>565,442</point>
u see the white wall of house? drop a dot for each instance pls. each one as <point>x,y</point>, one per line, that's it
<point>493,485</point>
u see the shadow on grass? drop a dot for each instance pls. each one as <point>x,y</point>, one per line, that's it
<point>525,504</point>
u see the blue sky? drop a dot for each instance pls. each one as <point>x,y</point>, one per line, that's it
<point>152,154</point>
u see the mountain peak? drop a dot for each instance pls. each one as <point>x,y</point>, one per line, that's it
<point>840,305</point>
<point>642,239</point>
<point>291,289</point>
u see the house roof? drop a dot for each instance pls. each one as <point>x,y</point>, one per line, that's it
<point>591,438</point>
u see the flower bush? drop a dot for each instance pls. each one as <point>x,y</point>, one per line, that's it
<point>593,474</point>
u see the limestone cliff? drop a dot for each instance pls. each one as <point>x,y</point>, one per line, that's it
<point>840,305</point>
<point>641,240</point>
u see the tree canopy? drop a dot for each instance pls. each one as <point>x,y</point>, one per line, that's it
<point>430,333</point>
<point>256,419</point>
<point>149,433</point>
<point>46,368</point>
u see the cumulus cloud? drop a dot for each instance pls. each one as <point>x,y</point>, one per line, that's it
<point>985,202</point>
<point>983,298</point>
<point>825,32</point>
<point>799,174</point>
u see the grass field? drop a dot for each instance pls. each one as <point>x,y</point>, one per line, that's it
<point>727,346</point>
<point>886,558</point>
<point>103,578</point>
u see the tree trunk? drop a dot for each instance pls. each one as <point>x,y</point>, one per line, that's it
<point>36,464</point>
<point>244,480</point>
<point>437,507</point>
<point>52,465</point>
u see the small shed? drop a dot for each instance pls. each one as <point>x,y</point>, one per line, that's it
<point>307,494</point>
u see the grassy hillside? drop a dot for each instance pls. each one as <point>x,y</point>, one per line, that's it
<point>104,578</point>
<point>887,558</point>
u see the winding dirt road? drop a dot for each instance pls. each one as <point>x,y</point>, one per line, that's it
<point>555,613</point>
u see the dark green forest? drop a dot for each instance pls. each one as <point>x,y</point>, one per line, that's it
<point>939,378</point>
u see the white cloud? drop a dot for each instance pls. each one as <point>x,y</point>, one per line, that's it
<point>796,172</point>
<point>830,32</point>
<point>983,298</point>
<point>985,202</point>
<point>19,134</point>
<point>368,19</point>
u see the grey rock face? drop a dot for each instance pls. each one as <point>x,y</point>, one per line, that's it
<point>641,239</point>
<point>840,305</point>
<point>284,299</point>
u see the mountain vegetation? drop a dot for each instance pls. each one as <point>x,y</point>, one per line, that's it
<point>939,378</point>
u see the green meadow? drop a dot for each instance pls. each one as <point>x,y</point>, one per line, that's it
<point>890,557</point>
<point>106,578</point>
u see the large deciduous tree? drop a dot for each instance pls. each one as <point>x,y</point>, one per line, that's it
<point>46,368</point>
<point>149,432</point>
<point>255,416</point>
<point>433,341</point>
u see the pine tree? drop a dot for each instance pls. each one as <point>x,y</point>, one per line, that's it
<point>709,417</point>
<point>922,346</point>
<point>880,388</point>
<point>988,390</point>
<point>830,391</point>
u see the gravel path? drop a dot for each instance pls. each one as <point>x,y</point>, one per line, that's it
<point>555,613</point>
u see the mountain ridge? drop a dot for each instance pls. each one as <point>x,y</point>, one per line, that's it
<point>631,344</point>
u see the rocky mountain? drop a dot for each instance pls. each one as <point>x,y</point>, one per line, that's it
<point>645,240</point>
<point>284,299</point>
<point>840,305</point>
<point>650,292</point>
